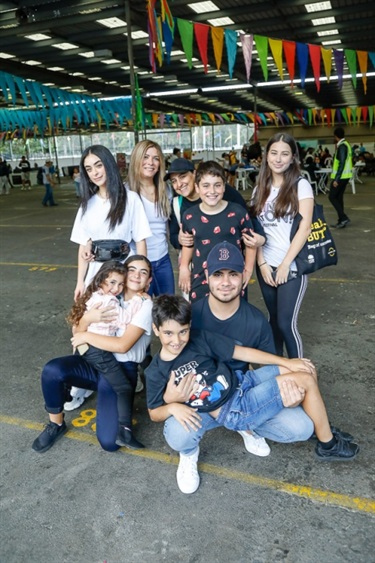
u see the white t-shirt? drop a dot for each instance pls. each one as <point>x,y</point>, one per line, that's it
<point>157,244</point>
<point>94,225</point>
<point>278,229</point>
<point>141,319</point>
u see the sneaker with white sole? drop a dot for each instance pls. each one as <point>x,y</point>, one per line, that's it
<point>255,444</point>
<point>187,473</point>
<point>77,399</point>
<point>139,387</point>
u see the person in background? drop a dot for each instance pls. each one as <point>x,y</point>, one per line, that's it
<point>280,194</point>
<point>341,173</point>
<point>77,181</point>
<point>49,183</point>
<point>25,173</point>
<point>176,154</point>
<point>4,182</point>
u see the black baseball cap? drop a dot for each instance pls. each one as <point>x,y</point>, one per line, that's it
<point>225,256</point>
<point>179,166</point>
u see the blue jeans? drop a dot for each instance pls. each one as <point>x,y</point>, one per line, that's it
<point>64,372</point>
<point>162,277</point>
<point>288,425</point>
<point>48,196</point>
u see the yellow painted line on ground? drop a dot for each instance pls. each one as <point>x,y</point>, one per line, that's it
<point>356,504</point>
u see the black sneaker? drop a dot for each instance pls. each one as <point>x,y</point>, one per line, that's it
<point>125,438</point>
<point>337,434</point>
<point>341,451</point>
<point>343,224</point>
<point>340,434</point>
<point>49,436</point>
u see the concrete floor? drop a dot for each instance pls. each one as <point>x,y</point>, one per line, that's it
<point>77,503</point>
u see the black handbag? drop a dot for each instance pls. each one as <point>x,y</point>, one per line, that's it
<point>104,250</point>
<point>319,251</point>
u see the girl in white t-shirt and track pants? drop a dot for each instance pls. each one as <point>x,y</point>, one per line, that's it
<point>280,194</point>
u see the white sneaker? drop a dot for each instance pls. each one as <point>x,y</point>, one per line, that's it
<point>77,399</point>
<point>187,473</point>
<point>139,387</point>
<point>255,444</point>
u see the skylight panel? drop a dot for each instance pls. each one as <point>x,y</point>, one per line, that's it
<point>110,61</point>
<point>38,36</point>
<point>221,22</point>
<point>6,56</point>
<point>65,46</point>
<point>323,21</point>
<point>87,55</point>
<point>332,42</point>
<point>318,6</point>
<point>55,68</point>
<point>328,32</point>
<point>112,22</point>
<point>202,7</point>
<point>31,62</point>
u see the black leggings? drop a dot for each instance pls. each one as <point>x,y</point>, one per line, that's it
<point>122,377</point>
<point>283,304</point>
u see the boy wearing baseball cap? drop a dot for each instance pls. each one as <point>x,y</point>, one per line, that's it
<point>190,381</point>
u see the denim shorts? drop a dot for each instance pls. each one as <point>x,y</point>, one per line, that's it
<point>256,400</point>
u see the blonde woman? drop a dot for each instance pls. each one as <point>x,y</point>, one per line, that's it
<point>146,173</point>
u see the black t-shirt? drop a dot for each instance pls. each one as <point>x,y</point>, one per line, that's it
<point>230,194</point>
<point>246,327</point>
<point>25,166</point>
<point>206,355</point>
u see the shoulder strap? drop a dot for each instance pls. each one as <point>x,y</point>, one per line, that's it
<point>177,202</point>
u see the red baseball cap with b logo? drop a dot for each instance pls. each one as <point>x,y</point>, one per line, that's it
<point>225,256</point>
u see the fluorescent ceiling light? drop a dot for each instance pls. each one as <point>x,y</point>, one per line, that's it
<point>87,54</point>
<point>112,22</point>
<point>216,22</point>
<point>323,21</point>
<point>177,52</point>
<point>6,56</point>
<point>332,42</point>
<point>77,74</point>
<point>194,60</point>
<point>110,61</point>
<point>143,72</point>
<point>95,78</point>
<point>65,87</point>
<point>228,87</point>
<point>55,68</point>
<point>174,92</point>
<point>127,67</point>
<point>318,6</point>
<point>38,36</point>
<point>202,7</point>
<point>49,83</point>
<point>328,32</point>
<point>65,46</point>
<point>32,63</point>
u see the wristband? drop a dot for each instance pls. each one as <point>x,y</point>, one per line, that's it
<point>260,265</point>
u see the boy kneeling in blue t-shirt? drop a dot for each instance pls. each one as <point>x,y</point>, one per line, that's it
<point>190,375</point>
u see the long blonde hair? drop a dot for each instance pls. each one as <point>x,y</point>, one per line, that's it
<point>162,202</point>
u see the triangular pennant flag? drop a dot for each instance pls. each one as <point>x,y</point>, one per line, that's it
<point>231,45</point>
<point>363,61</point>
<point>247,50</point>
<point>276,46</point>
<point>315,62</point>
<point>345,115</point>
<point>168,40</point>
<point>217,34</point>
<point>358,113</point>
<point>290,58</point>
<point>186,33</point>
<point>327,61</point>
<point>364,113</point>
<point>372,58</point>
<point>351,59</point>
<point>339,62</point>
<point>302,57</point>
<point>371,114</point>
<point>201,36</point>
<point>261,43</point>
